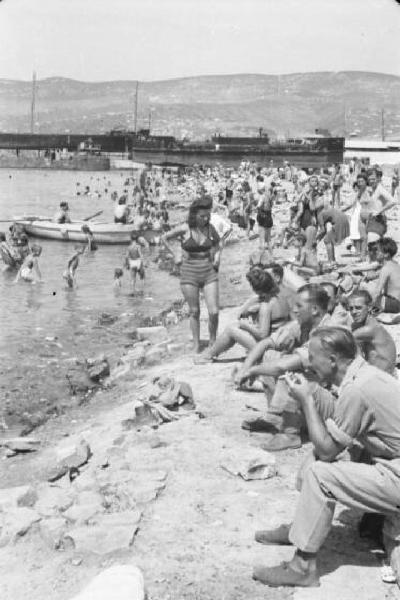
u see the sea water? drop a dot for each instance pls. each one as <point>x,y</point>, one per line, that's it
<point>44,325</point>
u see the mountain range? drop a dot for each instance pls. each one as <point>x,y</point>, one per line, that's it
<point>345,102</point>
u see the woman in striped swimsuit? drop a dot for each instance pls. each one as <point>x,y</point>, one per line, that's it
<point>199,265</point>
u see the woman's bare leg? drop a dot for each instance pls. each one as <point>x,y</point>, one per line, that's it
<point>267,237</point>
<point>211,296</point>
<point>330,250</point>
<point>192,296</point>
<point>261,237</point>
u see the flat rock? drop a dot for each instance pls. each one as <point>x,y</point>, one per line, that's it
<point>124,582</point>
<point>155,355</point>
<point>53,500</point>
<point>110,533</point>
<point>15,523</point>
<point>154,334</point>
<point>21,444</point>
<point>66,457</point>
<point>52,531</point>
<point>74,455</point>
<point>23,495</point>
<point>82,513</point>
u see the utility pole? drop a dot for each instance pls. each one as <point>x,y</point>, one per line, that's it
<point>136,107</point>
<point>33,102</point>
<point>383,124</point>
<point>149,119</point>
<point>344,121</point>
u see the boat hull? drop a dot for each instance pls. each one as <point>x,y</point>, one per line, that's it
<point>103,233</point>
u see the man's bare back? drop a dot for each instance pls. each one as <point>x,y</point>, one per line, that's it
<point>391,273</point>
<point>377,345</point>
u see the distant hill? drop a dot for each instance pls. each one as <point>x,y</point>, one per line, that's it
<point>196,107</point>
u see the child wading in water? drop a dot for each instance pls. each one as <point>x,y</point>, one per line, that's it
<point>69,273</point>
<point>29,270</point>
<point>118,273</point>
<point>134,260</point>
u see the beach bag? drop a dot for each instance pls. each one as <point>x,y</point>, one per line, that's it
<point>377,224</point>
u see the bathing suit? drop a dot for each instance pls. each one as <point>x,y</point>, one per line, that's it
<point>264,214</point>
<point>197,268</point>
<point>135,264</point>
<point>389,304</point>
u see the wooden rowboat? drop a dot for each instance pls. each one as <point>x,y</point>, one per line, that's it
<point>104,233</point>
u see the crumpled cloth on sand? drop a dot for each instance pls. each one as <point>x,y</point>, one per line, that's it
<point>251,463</point>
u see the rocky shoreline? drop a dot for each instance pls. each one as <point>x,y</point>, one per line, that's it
<point>144,474</point>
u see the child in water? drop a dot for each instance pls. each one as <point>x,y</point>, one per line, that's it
<point>118,274</point>
<point>134,260</point>
<point>29,270</point>
<point>69,273</point>
<point>91,244</point>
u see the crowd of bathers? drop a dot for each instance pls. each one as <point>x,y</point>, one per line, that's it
<point>313,337</point>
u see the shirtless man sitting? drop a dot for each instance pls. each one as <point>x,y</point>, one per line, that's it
<point>387,296</point>
<point>377,345</point>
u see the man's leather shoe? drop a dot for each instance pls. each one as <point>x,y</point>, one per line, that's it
<point>282,441</point>
<point>285,575</point>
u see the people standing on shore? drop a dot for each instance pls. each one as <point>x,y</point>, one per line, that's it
<point>200,245</point>
<point>264,216</point>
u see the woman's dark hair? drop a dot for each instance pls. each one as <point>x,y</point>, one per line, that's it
<point>203,203</point>
<point>337,340</point>
<point>362,176</point>
<point>261,281</point>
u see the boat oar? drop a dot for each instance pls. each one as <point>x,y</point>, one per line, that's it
<point>93,216</point>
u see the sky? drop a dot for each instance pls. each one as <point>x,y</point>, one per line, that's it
<point>147,40</point>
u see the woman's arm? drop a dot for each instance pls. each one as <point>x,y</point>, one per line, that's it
<point>261,330</point>
<point>387,201</point>
<point>252,302</point>
<point>175,233</point>
<point>382,283</point>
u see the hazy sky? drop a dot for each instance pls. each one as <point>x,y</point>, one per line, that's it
<point>159,39</point>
